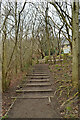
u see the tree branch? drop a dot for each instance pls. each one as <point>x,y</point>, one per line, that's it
<point>60,14</point>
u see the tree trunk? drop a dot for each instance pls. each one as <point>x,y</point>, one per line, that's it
<point>70,46</point>
<point>75,43</point>
<point>21,34</point>
<point>4,62</point>
<point>47,31</point>
<point>79,60</point>
<point>16,61</point>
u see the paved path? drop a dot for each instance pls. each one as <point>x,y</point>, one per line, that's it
<point>35,99</point>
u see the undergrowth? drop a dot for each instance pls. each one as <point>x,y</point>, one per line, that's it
<point>66,94</point>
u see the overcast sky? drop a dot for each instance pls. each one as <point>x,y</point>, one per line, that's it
<point>56,18</point>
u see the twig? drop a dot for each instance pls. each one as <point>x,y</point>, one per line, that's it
<point>69,99</point>
<point>10,107</point>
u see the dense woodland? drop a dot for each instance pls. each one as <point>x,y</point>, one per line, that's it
<point>33,31</point>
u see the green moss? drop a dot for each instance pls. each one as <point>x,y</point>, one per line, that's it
<point>57,65</point>
<point>4,117</point>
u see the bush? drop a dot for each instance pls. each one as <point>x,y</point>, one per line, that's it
<point>26,66</point>
<point>46,59</point>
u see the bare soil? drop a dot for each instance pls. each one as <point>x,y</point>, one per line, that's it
<point>33,108</point>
